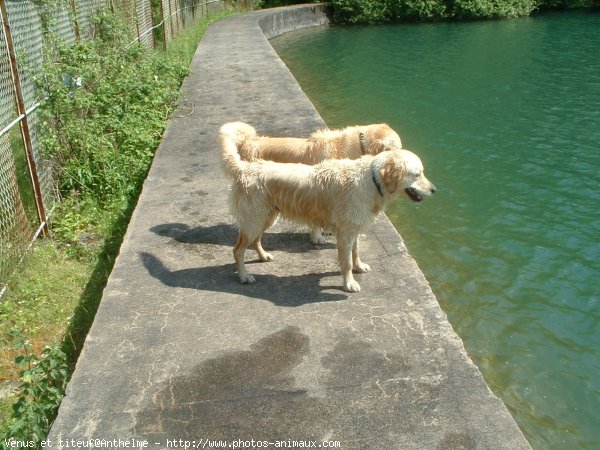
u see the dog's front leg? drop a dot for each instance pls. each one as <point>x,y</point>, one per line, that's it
<point>358,265</point>
<point>238,253</point>
<point>345,246</point>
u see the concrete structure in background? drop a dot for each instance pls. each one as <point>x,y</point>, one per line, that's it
<point>182,353</point>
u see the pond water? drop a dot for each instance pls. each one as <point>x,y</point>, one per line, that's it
<point>506,118</point>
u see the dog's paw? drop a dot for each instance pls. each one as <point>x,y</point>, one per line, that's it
<point>362,268</point>
<point>352,286</point>
<point>316,237</point>
<point>247,279</point>
<point>265,257</point>
<point>320,241</point>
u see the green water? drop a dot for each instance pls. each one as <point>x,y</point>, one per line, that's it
<point>506,117</point>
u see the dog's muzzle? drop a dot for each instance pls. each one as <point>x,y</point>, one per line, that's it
<point>418,196</point>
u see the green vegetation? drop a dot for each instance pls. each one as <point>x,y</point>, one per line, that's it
<point>100,92</point>
<point>23,178</point>
<point>380,11</point>
<point>108,104</point>
<point>388,11</point>
<point>44,382</point>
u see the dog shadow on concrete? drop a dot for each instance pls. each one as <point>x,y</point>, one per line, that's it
<point>287,291</point>
<point>284,237</point>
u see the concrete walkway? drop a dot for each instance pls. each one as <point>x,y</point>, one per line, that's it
<point>180,351</point>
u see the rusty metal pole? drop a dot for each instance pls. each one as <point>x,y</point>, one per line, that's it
<point>137,29</point>
<point>25,133</point>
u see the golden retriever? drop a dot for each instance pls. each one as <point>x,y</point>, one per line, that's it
<point>348,143</point>
<point>342,195</point>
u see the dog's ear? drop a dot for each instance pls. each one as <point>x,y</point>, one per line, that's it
<point>392,173</point>
<point>373,140</point>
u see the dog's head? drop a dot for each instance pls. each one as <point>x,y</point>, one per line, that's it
<point>378,138</point>
<point>402,170</point>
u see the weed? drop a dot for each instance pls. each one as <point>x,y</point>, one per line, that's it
<point>44,381</point>
<point>41,300</point>
<point>103,129</point>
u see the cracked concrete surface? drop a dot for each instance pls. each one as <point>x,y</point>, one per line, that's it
<point>180,350</point>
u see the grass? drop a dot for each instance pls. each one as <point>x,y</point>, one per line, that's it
<point>39,303</point>
<point>41,300</point>
<point>53,299</point>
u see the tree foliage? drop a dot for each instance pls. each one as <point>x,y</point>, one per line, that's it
<point>381,11</point>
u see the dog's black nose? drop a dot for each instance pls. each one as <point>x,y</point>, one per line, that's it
<point>433,189</point>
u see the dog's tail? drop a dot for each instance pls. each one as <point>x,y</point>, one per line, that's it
<point>233,135</point>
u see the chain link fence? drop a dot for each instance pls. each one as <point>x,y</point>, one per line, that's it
<point>27,187</point>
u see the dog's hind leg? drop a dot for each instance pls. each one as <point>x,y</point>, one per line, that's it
<point>262,255</point>
<point>357,264</point>
<point>238,253</point>
<point>345,247</point>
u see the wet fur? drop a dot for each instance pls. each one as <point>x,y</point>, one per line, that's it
<point>348,143</point>
<point>344,196</point>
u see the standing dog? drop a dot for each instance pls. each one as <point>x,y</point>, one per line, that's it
<point>348,143</point>
<point>343,195</point>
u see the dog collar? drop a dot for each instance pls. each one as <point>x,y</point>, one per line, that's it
<point>377,182</point>
<point>361,138</point>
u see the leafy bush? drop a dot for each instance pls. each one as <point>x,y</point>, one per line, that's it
<point>44,382</point>
<point>567,4</point>
<point>360,11</point>
<point>490,9</point>
<point>107,105</point>
<point>275,3</point>
<point>417,10</point>
<point>379,11</point>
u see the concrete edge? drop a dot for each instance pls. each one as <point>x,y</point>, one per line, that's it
<point>284,20</point>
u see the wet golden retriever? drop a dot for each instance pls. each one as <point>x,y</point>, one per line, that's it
<point>347,143</point>
<point>343,195</point>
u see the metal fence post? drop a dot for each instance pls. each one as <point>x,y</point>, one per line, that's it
<point>25,132</point>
